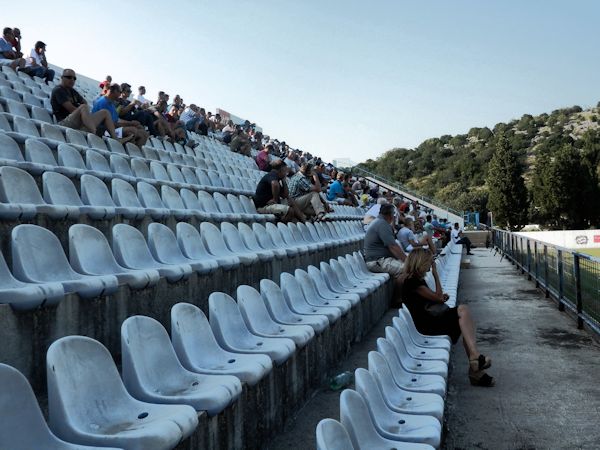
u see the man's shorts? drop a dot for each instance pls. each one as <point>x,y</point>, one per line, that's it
<point>389,265</point>
<point>276,208</point>
<point>73,121</point>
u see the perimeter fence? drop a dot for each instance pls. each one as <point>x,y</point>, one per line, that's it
<point>572,278</point>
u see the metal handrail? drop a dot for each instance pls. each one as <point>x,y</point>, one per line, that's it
<point>403,188</point>
<point>583,299</point>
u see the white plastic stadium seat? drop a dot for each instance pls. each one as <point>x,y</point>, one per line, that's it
<point>232,334</point>
<point>331,435</point>
<point>198,350</point>
<point>152,372</point>
<point>38,257</point>
<point>355,417</point>
<point>23,426</point>
<point>88,403</point>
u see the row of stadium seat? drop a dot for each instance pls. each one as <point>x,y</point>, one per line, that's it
<point>399,400</point>
<point>203,367</point>
<point>94,268</point>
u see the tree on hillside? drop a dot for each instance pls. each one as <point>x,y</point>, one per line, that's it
<point>565,189</point>
<point>506,189</point>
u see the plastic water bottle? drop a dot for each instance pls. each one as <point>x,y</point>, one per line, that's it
<point>341,380</point>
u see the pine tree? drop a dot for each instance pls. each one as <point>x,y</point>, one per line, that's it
<point>565,189</point>
<point>506,187</point>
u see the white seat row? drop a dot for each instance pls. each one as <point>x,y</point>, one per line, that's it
<point>448,266</point>
<point>399,400</point>
<point>42,273</point>
<point>164,382</point>
<point>21,198</point>
<point>346,212</point>
<point>43,154</point>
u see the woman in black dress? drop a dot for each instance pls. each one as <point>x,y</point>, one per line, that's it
<point>433,317</point>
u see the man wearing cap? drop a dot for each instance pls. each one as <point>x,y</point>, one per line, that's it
<point>272,195</point>
<point>37,64</point>
<point>306,193</point>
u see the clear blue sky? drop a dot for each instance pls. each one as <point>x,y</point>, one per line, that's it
<point>338,78</point>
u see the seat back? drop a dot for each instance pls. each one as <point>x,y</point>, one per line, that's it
<point>25,126</point>
<point>18,186</point>
<point>41,114</point>
<point>38,152</point>
<point>23,425</point>
<point>163,243</point>
<point>331,435</point>
<point>148,196</point>
<point>96,142</point>
<point>9,149</point>
<point>190,200</point>
<point>158,171</point>
<point>95,161</point>
<point>59,190</point>
<point>171,198</point>
<point>37,255</point>
<point>89,251</point>
<point>118,164</point>
<point>222,203</point>
<point>124,194</point>
<point>140,169</point>
<point>53,132</point>
<point>129,246</point>
<point>190,241</point>
<point>76,137</point>
<point>74,362</point>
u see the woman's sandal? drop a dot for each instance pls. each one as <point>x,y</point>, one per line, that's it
<point>481,379</point>
<point>480,363</point>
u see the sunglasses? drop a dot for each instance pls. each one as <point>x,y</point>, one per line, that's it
<point>70,77</point>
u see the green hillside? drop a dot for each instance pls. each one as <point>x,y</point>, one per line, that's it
<point>558,155</point>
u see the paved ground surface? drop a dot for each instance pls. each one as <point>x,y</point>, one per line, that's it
<point>547,393</point>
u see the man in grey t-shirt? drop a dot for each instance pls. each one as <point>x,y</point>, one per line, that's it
<point>382,252</point>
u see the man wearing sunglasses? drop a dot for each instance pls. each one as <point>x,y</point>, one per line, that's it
<point>72,111</point>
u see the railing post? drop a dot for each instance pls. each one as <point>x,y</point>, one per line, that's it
<point>578,290</point>
<point>528,260</point>
<point>537,264</point>
<point>561,281</point>
<point>546,282</point>
<point>512,248</point>
<point>521,256</point>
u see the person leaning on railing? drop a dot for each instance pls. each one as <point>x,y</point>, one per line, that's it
<point>433,317</point>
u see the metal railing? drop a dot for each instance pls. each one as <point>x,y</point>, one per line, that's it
<point>360,171</point>
<point>572,278</point>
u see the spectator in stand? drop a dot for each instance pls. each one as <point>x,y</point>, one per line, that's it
<point>8,55</point>
<point>191,118</point>
<point>228,131</point>
<point>349,194</point>
<point>132,110</point>
<point>37,63</point>
<point>458,238</point>
<point>408,240</point>
<point>240,143</point>
<point>304,187</point>
<point>202,122</point>
<point>262,158</point>
<point>290,161</point>
<point>16,42</point>
<point>336,190</point>
<point>105,85</point>
<point>433,317</point>
<point>217,124</point>
<point>72,111</point>
<point>125,129</point>
<point>143,101</point>
<point>272,195</point>
<point>382,252</point>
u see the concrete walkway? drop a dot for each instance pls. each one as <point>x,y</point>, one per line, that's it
<point>547,393</point>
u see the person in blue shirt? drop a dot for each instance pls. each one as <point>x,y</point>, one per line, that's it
<point>126,130</point>
<point>336,192</point>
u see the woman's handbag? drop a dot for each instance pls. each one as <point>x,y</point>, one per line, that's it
<point>435,308</point>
